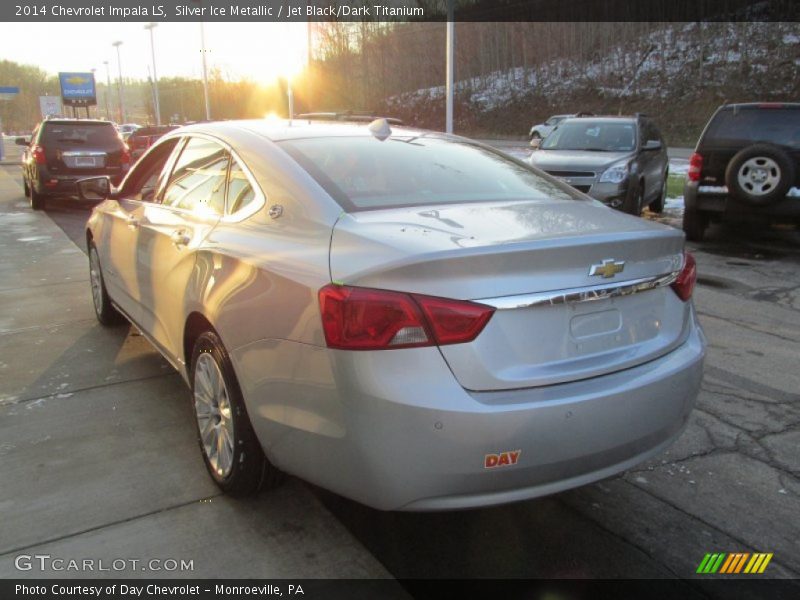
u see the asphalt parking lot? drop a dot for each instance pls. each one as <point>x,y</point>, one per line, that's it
<point>99,458</point>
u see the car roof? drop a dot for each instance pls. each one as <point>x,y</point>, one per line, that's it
<point>68,121</point>
<point>605,118</point>
<point>751,105</point>
<point>279,130</point>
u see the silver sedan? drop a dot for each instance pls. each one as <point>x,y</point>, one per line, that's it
<point>412,320</point>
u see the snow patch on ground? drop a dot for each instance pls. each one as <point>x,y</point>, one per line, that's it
<point>678,166</point>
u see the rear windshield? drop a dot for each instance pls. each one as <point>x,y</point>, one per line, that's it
<point>363,173</point>
<point>747,125</point>
<point>80,134</point>
<point>592,136</point>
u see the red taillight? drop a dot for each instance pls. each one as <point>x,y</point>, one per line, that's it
<point>37,152</point>
<point>125,158</point>
<point>684,284</point>
<point>365,319</point>
<point>695,166</point>
<point>454,321</point>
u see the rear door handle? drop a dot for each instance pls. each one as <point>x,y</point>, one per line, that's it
<point>180,237</point>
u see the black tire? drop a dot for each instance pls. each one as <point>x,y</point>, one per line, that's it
<point>26,188</point>
<point>250,470</point>
<point>103,308</point>
<point>536,136</point>
<point>695,224</point>
<point>38,201</point>
<point>774,163</point>
<point>657,205</point>
<point>634,201</point>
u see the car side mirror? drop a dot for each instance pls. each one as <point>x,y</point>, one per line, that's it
<point>94,188</point>
<point>21,141</point>
<point>535,143</point>
<point>652,145</point>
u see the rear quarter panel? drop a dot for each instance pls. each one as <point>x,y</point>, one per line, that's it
<point>257,279</point>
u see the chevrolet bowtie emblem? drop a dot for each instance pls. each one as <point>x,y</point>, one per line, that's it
<point>608,268</point>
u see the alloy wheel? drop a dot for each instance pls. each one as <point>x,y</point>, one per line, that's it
<point>212,408</point>
<point>96,281</point>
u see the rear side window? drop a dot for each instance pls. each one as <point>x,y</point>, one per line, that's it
<point>363,173</point>
<point>84,135</point>
<point>240,191</point>
<point>198,178</point>
<point>650,132</point>
<point>774,125</point>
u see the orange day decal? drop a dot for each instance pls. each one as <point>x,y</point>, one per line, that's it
<point>504,459</point>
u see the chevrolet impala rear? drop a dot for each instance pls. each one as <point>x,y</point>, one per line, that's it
<point>492,335</point>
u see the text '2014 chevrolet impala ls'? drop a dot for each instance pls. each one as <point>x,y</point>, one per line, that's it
<point>409,319</point>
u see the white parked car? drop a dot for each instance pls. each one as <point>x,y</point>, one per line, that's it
<point>542,130</point>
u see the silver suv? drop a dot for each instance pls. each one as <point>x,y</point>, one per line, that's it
<point>621,161</point>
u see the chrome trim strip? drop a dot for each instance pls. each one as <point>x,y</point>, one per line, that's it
<point>582,294</point>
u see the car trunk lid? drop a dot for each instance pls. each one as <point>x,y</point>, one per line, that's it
<point>503,253</point>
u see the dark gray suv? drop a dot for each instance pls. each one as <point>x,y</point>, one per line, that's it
<point>746,167</point>
<point>621,161</point>
<point>62,151</point>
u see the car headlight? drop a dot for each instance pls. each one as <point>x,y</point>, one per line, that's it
<point>616,173</point>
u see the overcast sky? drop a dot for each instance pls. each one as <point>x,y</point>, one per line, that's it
<point>259,51</point>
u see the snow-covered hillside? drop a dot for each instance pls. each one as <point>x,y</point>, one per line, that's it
<point>675,64</point>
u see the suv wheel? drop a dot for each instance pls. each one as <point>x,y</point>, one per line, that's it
<point>37,200</point>
<point>26,187</point>
<point>695,224</point>
<point>536,136</point>
<point>657,205</point>
<point>633,201</point>
<point>760,174</point>
<point>231,451</point>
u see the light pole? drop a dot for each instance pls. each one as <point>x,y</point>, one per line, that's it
<point>449,66</point>
<point>203,53</point>
<point>157,106</point>
<point>117,44</point>
<point>205,70</point>
<point>108,89</point>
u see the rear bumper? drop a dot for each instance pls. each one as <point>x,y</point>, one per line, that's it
<point>393,429</point>
<point>53,185</point>
<point>715,199</point>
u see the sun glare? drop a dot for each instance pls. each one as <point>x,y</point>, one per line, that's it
<point>265,52</point>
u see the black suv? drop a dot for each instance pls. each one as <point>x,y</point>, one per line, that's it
<point>744,166</point>
<point>621,161</point>
<point>62,151</point>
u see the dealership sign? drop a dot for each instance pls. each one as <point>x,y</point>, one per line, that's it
<point>50,106</point>
<point>77,89</point>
